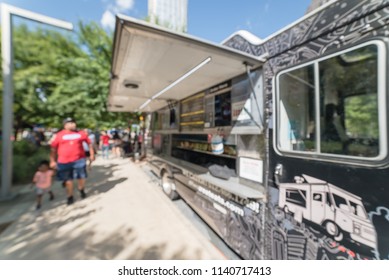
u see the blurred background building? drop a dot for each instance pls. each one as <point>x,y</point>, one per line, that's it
<point>171,14</point>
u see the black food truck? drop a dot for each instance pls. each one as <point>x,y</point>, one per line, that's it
<point>280,145</point>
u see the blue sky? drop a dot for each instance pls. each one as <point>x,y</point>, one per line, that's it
<point>213,20</point>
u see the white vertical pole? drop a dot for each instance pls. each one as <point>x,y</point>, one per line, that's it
<point>7,117</point>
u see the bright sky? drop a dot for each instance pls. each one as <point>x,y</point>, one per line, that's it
<point>213,20</point>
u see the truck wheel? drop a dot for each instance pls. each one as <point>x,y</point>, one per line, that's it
<point>168,186</point>
<point>333,230</point>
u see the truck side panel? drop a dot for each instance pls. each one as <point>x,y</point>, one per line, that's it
<point>342,25</point>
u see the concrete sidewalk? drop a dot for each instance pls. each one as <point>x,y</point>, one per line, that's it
<point>125,216</point>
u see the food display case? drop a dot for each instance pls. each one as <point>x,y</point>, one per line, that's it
<point>196,148</point>
<point>214,113</point>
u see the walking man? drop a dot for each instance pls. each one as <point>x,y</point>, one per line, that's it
<point>68,157</point>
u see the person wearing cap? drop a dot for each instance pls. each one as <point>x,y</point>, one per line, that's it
<point>68,157</point>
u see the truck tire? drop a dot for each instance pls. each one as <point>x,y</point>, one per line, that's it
<point>168,186</point>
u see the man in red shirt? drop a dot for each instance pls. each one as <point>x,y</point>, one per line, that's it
<point>71,160</point>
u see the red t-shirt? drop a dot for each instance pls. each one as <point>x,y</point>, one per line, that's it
<point>69,145</point>
<point>105,140</point>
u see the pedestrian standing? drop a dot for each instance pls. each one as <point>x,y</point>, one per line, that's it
<point>140,142</point>
<point>126,142</point>
<point>132,140</point>
<point>104,144</point>
<point>86,148</point>
<point>136,143</point>
<point>68,156</point>
<point>42,181</point>
<point>117,144</point>
<point>92,138</point>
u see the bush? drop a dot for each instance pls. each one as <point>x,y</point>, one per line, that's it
<point>24,147</point>
<point>26,158</point>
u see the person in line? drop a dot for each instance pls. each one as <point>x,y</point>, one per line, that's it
<point>140,143</point>
<point>136,143</point>
<point>104,144</point>
<point>71,161</point>
<point>126,142</point>
<point>97,135</point>
<point>92,138</point>
<point>117,144</point>
<point>132,140</point>
<point>86,147</point>
<point>42,181</point>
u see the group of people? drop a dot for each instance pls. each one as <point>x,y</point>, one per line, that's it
<point>113,143</point>
<point>36,136</point>
<point>72,153</point>
<point>120,143</point>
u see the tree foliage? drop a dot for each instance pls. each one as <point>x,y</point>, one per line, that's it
<point>60,74</point>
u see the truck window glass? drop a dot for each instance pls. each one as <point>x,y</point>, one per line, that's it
<point>297,110</point>
<point>338,114</point>
<point>349,109</point>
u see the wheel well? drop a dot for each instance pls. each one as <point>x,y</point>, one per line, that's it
<point>323,224</point>
<point>166,169</point>
<point>163,171</point>
<point>172,194</point>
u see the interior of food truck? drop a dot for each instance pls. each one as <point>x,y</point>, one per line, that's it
<point>206,100</point>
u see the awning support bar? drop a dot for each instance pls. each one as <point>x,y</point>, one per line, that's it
<point>180,79</point>
<point>255,96</point>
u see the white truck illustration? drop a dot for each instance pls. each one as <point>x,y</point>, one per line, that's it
<point>335,209</point>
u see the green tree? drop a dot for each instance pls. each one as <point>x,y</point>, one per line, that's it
<point>62,74</point>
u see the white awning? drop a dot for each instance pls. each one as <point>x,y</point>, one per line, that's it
<point>149,64</point>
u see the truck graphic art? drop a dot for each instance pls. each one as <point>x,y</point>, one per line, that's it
<point>339,212</point>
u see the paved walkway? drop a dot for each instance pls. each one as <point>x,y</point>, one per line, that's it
<point>125,216</point>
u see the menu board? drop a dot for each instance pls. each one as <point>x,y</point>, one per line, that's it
<point>218,105</point>
<point>192,113</point>
<point>223,109</point>
<point>240,98</point>
<point>209,111</point>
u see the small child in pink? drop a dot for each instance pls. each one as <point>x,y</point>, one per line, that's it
<point>42,180</point>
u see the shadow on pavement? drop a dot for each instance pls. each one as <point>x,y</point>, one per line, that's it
<point>50,231</point>
<point>83,230</point>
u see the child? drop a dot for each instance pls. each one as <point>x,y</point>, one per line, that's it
<point>42,181</point>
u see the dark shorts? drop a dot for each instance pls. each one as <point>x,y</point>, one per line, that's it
<point>72,170</point>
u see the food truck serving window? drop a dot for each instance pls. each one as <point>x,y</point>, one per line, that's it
<point>335,106</point>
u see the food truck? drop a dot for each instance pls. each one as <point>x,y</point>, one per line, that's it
<point>281,144</point>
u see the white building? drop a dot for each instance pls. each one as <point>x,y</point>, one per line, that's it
<point>169,13</point>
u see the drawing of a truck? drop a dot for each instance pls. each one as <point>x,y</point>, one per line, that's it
<point>335,209</point>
